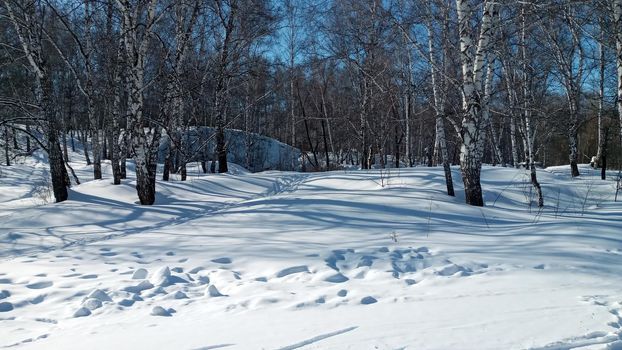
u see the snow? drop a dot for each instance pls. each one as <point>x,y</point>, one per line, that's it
<point>266,153</point>
<point>283,260</point>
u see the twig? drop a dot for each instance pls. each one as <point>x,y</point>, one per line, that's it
<point>484,216</point>
<point>429,217</point>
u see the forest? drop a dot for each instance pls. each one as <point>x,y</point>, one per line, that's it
<point>311,174</point>
<point>364,83</point>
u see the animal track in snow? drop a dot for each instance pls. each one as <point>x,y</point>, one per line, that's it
<point>223,260</point>
<point>292,270</point>
<point>6,307</point>
<point>345,267</point>
<point>40,285</point>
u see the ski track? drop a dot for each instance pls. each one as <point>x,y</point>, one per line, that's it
<point>317,338</point>
<point>611,340</point>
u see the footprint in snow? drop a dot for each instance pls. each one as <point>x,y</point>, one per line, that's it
<point>71,275</point>
<point>4,294</point>
<point>160,311</point>
<point>40,285</point>
<point>453,269</point>
<point>196,270</point>
<point>366,260</point>
<point>368,300</point>
<point>88,277</point>
<point>223,260</point>
<point>38,299</point>
<point>336,255</point>
<point>292,270</point>
<point>336,278</point>
<point>126,302</point>
<point>6,307</point>
<point>46,320</point>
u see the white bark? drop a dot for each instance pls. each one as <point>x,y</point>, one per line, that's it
<point>617,16</point>
<point>439,102</point>
<point>136,44</point>
<point>473,58</point>
<point>29,35</point>
<point>530,134</point>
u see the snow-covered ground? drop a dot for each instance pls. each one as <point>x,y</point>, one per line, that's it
<point>339,260</point>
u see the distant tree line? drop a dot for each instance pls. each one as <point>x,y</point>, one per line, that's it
<point>370,83</point>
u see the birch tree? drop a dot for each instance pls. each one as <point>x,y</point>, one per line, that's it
<point>530,130</point>
<point>617,22</point>
<point>439,104</point>
<point>565,41</point>
<point>116,58</point>
<point>138,23</point>
<point>186,15</point>
<point>473,57</point>
<point>84,81</point>
<point>28,19</point>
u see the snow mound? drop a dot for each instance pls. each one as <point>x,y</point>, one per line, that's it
<point>160,311</point>
<point>140,274</point>
<point>82,312</point>
<point>100,295</point>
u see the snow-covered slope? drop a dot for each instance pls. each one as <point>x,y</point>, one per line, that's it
<point>339,260</point>
<point>266,153</point>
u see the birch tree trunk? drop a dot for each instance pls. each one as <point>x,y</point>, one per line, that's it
<point>89,92</point>
<point>617,16</point>
<point>136,43</point>
<point>601,95</point>
<point>571,66</point>
<point>185,19</point>
<point>291,38</point>
<point>573,130</point>
<point>29,31</point>
<point>408,105</point>
<point>227,21</point>
<point>511,104</point>
<point>84,83</point>
<point>365,152</point>
<point>439,113</point>
<point>115,145</point>
<point>473,57</point>
<point>530,134</point>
